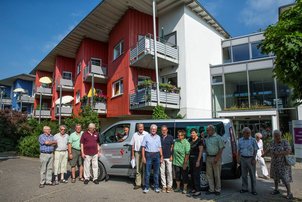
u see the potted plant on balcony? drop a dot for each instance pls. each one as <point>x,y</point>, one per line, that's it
<point>167,87</point>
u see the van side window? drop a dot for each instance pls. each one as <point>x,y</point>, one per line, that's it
<point>116,134</point>
<point>200,127</point>
<point>170,126</point>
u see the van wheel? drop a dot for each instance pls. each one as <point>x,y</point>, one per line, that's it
<point>204,184</point>
<point>102,172</point>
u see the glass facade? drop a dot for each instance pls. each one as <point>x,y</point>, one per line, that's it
<point>226,53</point>
<point>236,90</point>
<point>256,50</point>
<point>241,52</point>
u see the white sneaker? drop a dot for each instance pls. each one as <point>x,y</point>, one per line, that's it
<point>157,190</point>
<point>145,191</point>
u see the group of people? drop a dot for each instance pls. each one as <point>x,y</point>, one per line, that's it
<point>169,158</point>
<point>55,151</point>
<point>181,156</point>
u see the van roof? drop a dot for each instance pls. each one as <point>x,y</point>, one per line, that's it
<point>172,120</point>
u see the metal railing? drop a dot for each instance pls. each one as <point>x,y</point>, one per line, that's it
<point>64,82</point>
<point>65,110</point>
<point>26,99</point>
<point>44,112</point>
<point>148,95</point>
<point>146,46</point>
<point>43,90</point>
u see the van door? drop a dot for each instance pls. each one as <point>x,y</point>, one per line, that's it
<point>116,151</point>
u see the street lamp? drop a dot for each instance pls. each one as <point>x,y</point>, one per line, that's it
<point>1,96</point>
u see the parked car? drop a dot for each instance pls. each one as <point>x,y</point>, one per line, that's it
<point>115,156</point>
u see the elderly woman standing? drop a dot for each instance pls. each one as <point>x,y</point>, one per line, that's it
<point>181,153</point>
<point>259,157</point>
<point>279,169</point>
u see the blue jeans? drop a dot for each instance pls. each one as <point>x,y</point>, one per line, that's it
<point>152,159</point>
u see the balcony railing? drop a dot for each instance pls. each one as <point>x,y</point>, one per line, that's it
<point>45,113</point>
<point>100,107</point>
<point>142,54</point>
<point>26,99</point>
<point>146,99</point>
<point>99,72</point>
<point>6,101</point>
<point>44,90</point>
<point>65,111</point>
<point>67,84</point>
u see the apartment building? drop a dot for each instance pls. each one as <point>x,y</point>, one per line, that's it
<point>112,50</point>
<point>17,93</point>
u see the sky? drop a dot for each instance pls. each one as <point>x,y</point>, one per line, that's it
<point>30,29</point>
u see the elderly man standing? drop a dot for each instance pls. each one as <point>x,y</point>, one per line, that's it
<point>214,147</point>
<point>136,143</point>
<point>90,151</point>
<point>47,143</point>
<point>247,150</point>
<point>152,156</point>
<point>167,142</point>
<point>74,151</point>
<point>61,155</point>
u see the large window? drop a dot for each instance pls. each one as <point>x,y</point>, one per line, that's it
<point>96,62</point>
<point>241,52</point>
<point>227,56</point>
<point>171,39</point>
<point>170,126</point>
<point>67,75</point>
<point>118,50</point>
<point>117,88</point>
<point>236,90</point>
<point>112,135</point>
<point>218,98</point>
<point>256,50</point>
<point>262,88</point>
<point>284,93</point>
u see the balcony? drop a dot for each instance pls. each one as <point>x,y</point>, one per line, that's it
<point>65,111</point>
<point>67,84</point>
<point>98,71</point>
<point>44,91</point>
<point>26,99</point>
<point>6,101</point>
<point>146,99</point>
<point>45,113</point>
<point>143,53</point>
<point>100,107</point>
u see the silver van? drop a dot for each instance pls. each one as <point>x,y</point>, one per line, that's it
<point>115,156</point>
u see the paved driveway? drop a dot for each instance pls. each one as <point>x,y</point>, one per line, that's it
<point>19,181</point>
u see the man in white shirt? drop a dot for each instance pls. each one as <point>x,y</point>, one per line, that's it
<point>136,142</point>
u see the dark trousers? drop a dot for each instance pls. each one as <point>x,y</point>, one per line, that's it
<point>195,173</point>
<point>152,159</point>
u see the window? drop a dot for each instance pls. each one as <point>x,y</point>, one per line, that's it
<point>118,50</point>
<point>112,135</point>
<point>171,79</point>
<point>78,97</point>
<point>141,79</point>
<point>171,39</point>
<point>256,52</point>
<point>96,62</point>
<point>117,88</point>
<point>67,75</point>
<point>200,127</point>
<point>216,79</point>
<point>241,52</point>
<point>226,53</point>
<point>170,126</point>
<point>79,68</point>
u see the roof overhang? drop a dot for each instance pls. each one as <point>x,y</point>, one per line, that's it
<point>100,21</point>
<point>9,81</point>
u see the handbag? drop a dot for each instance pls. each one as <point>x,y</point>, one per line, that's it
<point>290,160</point>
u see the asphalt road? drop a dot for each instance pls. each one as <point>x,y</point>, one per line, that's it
<point>19,181</point>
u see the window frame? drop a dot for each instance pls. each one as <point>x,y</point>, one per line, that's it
<point>100,61</point>
<point>104,137</point>
<point>121,88</point>
<point>67,72</point>
<point>79,68</point>
<point>120,47</point>
<point>78,97</point>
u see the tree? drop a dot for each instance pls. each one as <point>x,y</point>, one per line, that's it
<point>284,40</point>
<point>159,113</point>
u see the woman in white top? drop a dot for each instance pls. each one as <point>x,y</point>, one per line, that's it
<point>260,159</point>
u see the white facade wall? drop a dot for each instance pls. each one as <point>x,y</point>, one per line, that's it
<point>199,46</point>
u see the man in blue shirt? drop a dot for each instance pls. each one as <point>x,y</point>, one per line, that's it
<point>167,143</point>
<point>247,150</point>
<point>47,143</point>
<point>152,155</point>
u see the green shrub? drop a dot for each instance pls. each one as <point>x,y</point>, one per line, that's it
<point>29,146</point>
<point>159,113</point>
<point>7,144</point>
